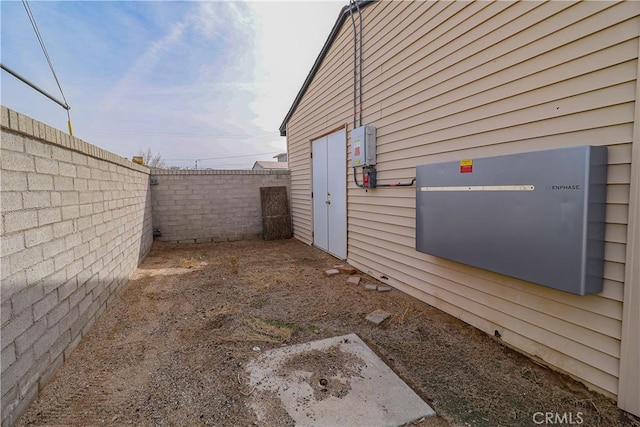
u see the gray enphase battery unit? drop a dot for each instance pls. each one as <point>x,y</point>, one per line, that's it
<point>535,216</point>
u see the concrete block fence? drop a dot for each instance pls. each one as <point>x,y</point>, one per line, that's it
<point>211,205</point>
<point>76,222</point>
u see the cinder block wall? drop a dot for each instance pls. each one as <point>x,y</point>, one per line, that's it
<point>76,222</point>
<point>211,205</point>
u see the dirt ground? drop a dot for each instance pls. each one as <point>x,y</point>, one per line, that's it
<point>172,347</point>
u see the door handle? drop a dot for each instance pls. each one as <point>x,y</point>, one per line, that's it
<point>328,202</point>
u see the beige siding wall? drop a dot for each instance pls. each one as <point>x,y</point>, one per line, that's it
<point>629,384</point>
<point>452,80</point>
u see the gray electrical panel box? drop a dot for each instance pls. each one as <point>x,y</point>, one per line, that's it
<point>363,146</point>
<point>535,216</point>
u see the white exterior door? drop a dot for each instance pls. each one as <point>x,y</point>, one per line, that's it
<point>330,193</point>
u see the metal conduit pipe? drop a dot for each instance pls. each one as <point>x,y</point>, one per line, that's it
<point>355,62</point>
<point>361,60</point>
<point>33,86</point>
<point>374,183</point>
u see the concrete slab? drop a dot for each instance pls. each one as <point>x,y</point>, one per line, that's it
<point>331,382</point>
<point>331,272</point>
<point>370,287</point>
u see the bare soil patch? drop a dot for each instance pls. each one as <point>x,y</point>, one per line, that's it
<point>333,363</point>
<point>172,347</point>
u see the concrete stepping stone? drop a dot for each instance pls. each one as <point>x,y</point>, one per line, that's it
<point>378,316</point>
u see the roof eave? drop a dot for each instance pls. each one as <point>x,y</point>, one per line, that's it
<point>344,13</point>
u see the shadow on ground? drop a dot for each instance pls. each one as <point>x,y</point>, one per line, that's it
<point>172,348</point>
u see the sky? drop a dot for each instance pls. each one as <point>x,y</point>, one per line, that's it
<point>209,81</point>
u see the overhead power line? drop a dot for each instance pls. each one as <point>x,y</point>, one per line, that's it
<point>222,158</point>
<point>178,134</point>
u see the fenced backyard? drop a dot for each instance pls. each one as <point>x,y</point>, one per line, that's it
<point>173,347</point>
<point>94,335</point>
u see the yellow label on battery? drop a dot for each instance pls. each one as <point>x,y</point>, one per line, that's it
<point>466,166</point>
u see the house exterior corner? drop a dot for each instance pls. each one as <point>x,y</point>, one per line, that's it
<point>446,81</point>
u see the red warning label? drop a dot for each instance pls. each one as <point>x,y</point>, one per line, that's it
<point>466,166</point>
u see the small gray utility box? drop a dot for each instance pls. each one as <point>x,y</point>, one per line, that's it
<point>534,216</point>
<point>363,146</point>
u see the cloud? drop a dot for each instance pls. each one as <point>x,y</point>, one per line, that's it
<point>195,78</point>
<point>187,79</point>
